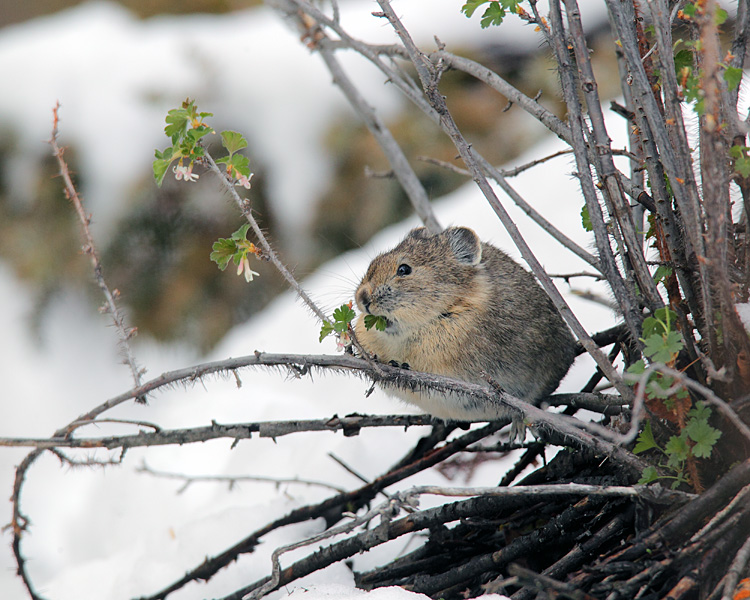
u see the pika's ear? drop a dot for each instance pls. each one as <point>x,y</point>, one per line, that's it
<point>465,245</point>
<point>418,233</point>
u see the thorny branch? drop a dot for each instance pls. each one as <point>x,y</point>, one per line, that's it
<point>124,334</point>
<point>245,209</point>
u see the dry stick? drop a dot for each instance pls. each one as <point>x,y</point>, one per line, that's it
<point>301,364</point>
<point>557,529</point>
<point>715,175</point>
<point>555,233</point>
<point>670,133</point>
<point>350,425</point>
<point>512,172</point>
<point>715,182</point>
<point>408,89</point>
<point>395,155</point>
<point>622,289</point>
<point>736,569</point>
<point>545,586</point>
<point>641,140</point>
<point>678,526</point>
<point>493,80</point>
<point>123,333</point>
<point>232,480</point>
<point>604,161</point>
<point>468,155</point>
<point>566,428</point>
<point>399,163</point>
<point>675,150</point>
<point>581,552</point>
<point>500,85</point>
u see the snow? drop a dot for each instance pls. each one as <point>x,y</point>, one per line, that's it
<point>116,533</point>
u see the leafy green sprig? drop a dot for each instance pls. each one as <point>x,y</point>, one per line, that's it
<point>186,128</point>
<point>341,323</point>
<point>495,12</point>
<point>696,440</point>
<point>236,249</point>
<point>661,344</point>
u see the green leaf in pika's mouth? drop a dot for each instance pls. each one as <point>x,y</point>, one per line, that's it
<point>377,321</point>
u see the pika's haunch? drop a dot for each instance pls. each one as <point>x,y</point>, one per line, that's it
<point>458,307</point>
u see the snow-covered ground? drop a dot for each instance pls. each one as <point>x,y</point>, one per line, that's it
<point>117,533</point>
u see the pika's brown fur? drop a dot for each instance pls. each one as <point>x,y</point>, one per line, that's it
<point>458,307</point>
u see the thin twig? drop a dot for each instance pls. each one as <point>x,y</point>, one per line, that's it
<point>232,480</point>
<point>124,333</point>
<point>622,289</point>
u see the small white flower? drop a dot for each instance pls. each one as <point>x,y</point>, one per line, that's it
<point>244,181</point>
<point>342,341</point>
<point>183,172</point>
<point>245,266</point>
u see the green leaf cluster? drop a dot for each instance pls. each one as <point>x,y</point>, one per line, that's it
<point>494,13</point>
<point>661,273</point>
<point>688,77</point>
<point>586,219</point>
<point>690,10</point>
<point>234,248</point>
<point>661,344</point>
<point>696,440</point>
<point>741,160</point>
<point>237,164</point>
<point>342,317</point>
<point>733,77</point>
<point>185,128</point>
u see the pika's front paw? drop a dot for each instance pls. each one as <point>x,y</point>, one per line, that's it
<point>395,363</point>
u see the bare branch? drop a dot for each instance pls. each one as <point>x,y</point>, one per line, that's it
<point>398,161</point>
<point>736,569</point>
<point>330,508</point>
<point>500,85</point>
<point>350,425</point>
<point>232,480</point>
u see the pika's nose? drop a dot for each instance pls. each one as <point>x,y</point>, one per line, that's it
<point>364,299</point>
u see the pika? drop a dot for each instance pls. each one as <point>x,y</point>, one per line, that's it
<point>458,307</point>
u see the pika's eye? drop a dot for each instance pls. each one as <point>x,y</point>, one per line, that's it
<point>403,270</point>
